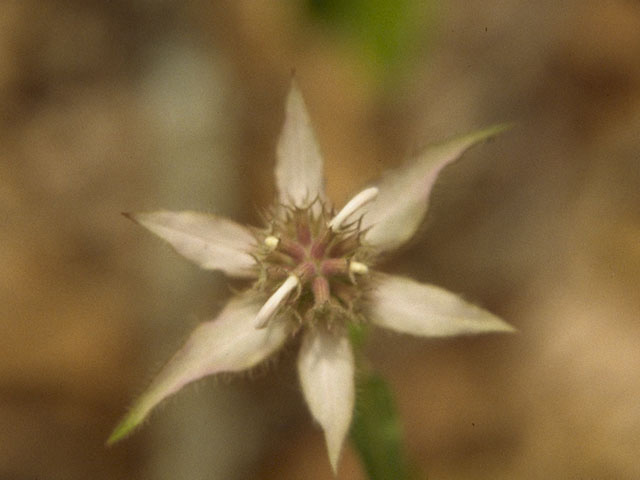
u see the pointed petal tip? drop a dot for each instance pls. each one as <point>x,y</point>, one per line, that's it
<point>326,370</point>
<point>210,241</point>
<point>115,437</point>
<point>403,196</point>
<point>334,449</point>
<point>293,83</point>
<point>136,217</point>
<point>226,344</point>
<point>407,306</point>
<point>474,138</point>
<point>125,428</point>
<point>493,323</point>
<point>496,129</point>
<point>504,327</point>
<point>298,171</point>
<point>490,324</point>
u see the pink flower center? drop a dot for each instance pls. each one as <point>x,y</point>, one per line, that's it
<point>310,266</point>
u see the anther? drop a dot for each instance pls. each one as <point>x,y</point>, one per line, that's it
<point>279,296</point>
<point>356,203</point>
<point>271,242</point>
<point>358,268</point>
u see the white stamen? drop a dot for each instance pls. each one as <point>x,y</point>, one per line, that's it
<point>361,199</point>
<point>275,300</point>
<point>358,268</point>
<point>271,242</point>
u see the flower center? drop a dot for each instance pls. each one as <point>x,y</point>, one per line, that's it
<point>312,266</point>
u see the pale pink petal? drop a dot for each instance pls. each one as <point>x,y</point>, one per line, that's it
<point>326,370</point>
<point>403,194</point>
<point>229,343</point>
<point>299,175</point>
<point>407,306</point>
<point>212,242</point>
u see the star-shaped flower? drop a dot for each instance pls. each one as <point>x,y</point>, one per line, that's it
<point>311,273</point>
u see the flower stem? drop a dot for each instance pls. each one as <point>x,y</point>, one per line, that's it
<point>376,431</point>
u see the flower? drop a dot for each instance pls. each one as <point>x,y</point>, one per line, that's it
<point>312,276</point>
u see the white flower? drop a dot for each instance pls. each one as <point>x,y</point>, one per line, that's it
<point>311,276</point>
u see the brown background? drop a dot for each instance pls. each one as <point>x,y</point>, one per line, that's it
<point>119,106</point>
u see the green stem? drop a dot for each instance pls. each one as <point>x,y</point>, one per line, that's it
<point>376,431</point>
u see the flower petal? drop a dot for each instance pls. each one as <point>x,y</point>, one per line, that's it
<point>299,176</point>
<point>227,344</point>
<point>326,370</point>
<point>407,306</point>
<point>212,242</point>
<point>404,193</point>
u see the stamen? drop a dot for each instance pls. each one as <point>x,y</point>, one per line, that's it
<point>303,233</point>
<point>305,271</point>
<point>321,292</point>
<point>334,266</point>
<point>319,246</point>
<point>358,268</point>
<point>353,205</point>
<point>271,242</point>
<point>275,300</point>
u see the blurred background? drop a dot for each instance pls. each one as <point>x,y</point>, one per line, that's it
<point>108,107</point>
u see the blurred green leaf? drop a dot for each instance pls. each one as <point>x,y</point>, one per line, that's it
<point>386,32</point>
<point>358,333</point>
